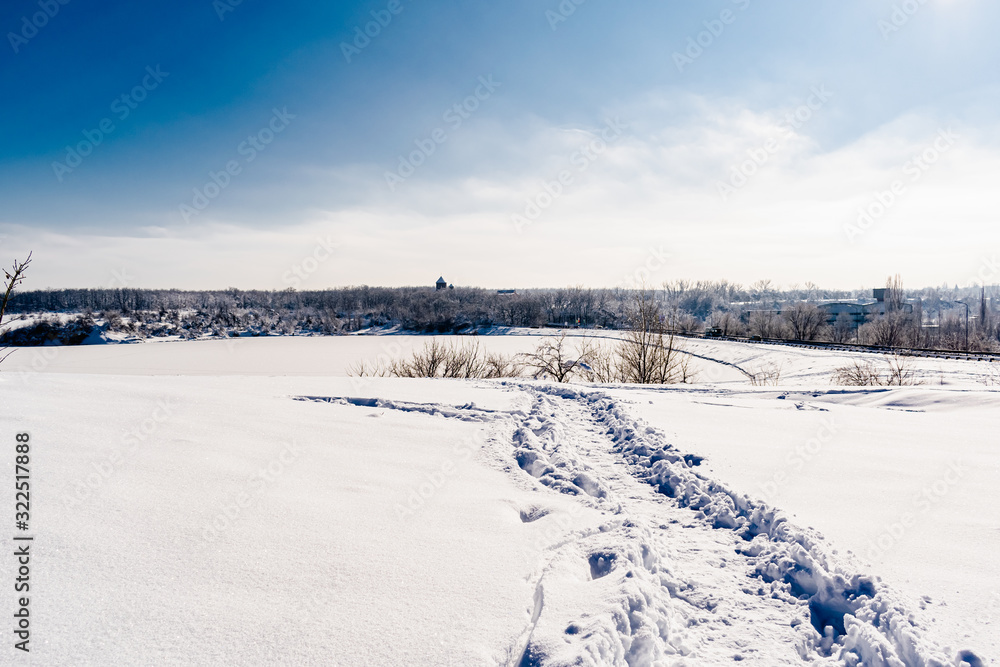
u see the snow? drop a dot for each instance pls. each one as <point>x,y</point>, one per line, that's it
<point>242,502</point>
<point>903,478</point>
<point>158,536</point>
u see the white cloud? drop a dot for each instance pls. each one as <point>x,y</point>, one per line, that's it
<point>655,186</point>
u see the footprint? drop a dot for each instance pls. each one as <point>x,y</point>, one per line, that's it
<point>533,513</point>
<point>601,564</point>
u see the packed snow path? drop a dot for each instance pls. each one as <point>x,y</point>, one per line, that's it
<point>675,569</point>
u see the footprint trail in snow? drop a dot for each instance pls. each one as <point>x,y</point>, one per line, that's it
<point>679,570</point>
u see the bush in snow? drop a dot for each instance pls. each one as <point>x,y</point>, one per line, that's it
<point>897,372</point>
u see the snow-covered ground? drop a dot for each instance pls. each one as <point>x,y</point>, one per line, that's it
<point>242,502</point>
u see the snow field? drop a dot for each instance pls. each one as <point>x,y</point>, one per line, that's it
<point>237,519</point>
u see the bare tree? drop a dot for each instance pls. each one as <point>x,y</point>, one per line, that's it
<point>12,279</point>
<point>894,296</point>
<point>766,324</point>
<point>843,328</point>
<point>648,352</point>
<point>806,321</point>
<point>888,331</point>
<point>553,358</point>
<point>762,290</point>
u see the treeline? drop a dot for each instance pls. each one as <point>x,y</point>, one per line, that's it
<point>345,309</point>
<point>930,317</point>
<point>421,308</point>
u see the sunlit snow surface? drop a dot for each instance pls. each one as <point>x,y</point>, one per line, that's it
<point>242,502</point>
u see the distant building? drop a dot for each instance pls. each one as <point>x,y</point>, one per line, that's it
<point>859,312</point>
<point>506,291</point>
<point>441,284</point>
<point>862,310</point>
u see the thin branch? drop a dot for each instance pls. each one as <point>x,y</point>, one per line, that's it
<point>12,280</point>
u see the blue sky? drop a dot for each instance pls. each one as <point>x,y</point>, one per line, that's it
<point>673,190</point>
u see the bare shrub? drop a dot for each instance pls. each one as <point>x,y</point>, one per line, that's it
<point>897,372</point>
<point>598,363</point>
<point>426,363</point>
<point>858,374</point>
<point>502,366</point>
<point>464,361</point>
<point>766,374</point>
<point>438,359</point>
<point>900,371</point>
<point>365,369</point>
